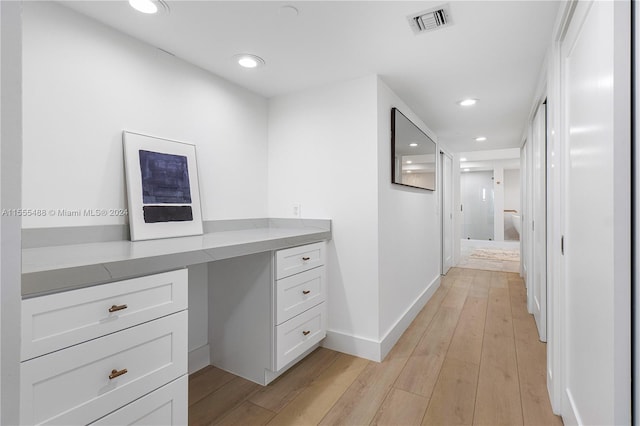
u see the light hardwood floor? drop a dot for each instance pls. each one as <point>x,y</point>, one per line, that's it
<point>471,356</point>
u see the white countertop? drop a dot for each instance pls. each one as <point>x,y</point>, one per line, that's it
<point>57,268</point>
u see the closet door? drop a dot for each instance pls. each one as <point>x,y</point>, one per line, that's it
<point>596,132</point>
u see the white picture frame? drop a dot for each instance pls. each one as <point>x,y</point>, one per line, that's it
<point>162,187</point>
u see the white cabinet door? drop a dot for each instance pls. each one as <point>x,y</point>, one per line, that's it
<point>82,383</point>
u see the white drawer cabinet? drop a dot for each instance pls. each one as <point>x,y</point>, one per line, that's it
<point>300,310</point>
<point>299,334</point>
<point>123,359</point>
<point>267,310</point>
<point>298,259</point>
<point>63,319</point>
<point>297,293</point>
<point>166,406</point>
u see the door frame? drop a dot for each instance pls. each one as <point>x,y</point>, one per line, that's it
<point>443,154</point>
<point>538,213</point>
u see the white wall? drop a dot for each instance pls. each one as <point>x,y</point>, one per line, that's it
<point>99,82</point>
<point>512,190</point>
<point>409,232</point>
<point>84,83</point>
<point>329,150</point>
<point>323,155</point>
<point>10,176</point>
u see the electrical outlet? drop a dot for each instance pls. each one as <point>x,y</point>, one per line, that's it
<point>297,207</point>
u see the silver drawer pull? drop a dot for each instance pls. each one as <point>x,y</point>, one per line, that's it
<point>306,332</point>
<point>116,373</point>
<point>115,308</point>
<point>306,291</point>
<point>305,258</point>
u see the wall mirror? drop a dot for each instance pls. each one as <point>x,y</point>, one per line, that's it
<point>413,154</point>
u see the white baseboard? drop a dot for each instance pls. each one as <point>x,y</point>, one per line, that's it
<point>376,350</point>
<point>395,332</point>
<point>352,345</point>
<point>570,416</point>
<point>199,358</point>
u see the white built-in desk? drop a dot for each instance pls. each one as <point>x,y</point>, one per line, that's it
<point>104,323</point>
<point>54,268</point>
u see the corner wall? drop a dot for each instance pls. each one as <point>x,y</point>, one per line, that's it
<point>409,233</point>
<point>330,152</point>
<point>323,155</point>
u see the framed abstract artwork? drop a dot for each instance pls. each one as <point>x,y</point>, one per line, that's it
<point>162,187</point>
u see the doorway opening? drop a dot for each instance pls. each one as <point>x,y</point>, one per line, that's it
<point>490,210</point>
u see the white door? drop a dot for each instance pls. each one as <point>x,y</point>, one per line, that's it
<point>447,211</point>
<point>539,225</point>
<point>596,132</point>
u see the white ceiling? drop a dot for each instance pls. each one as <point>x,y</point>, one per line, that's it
<point>494,51</point>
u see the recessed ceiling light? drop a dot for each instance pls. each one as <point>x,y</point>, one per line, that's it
<point>247,60</point>
<point>149,6</point>
<point>467,102</point>
<point>409,161</point>
<point>467,170</point>
<point>481,139</point>
<point>463,159</point>
<point>408,171</point>
<point>413,144</point>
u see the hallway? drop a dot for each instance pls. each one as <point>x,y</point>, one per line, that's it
<point>471,356</point>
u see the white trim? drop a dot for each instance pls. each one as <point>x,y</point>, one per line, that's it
<point>199,358</point>
<point>353,345</point>
<point>377,350</point>
<point>571,415</point>
<point>395,332</point>
<point>441,199</point>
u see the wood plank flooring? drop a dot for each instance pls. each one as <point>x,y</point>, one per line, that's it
<point>471,357</point>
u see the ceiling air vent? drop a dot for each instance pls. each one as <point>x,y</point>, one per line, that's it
<point>429,20</point>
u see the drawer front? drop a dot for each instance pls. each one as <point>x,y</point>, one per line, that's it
<point>168,405</point>
<point>297,293</point>
<point>64,319</point>
<point>80,384</point>
<point>300,333</point>
<point>298,259</point>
